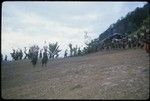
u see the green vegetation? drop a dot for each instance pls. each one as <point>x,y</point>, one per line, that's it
<point>133,23</point>
<point>54,50</point>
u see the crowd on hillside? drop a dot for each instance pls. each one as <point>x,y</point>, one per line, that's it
<point>141,40</point>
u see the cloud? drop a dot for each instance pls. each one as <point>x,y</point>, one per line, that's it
<point>35,29</point>
<point>87,17</point>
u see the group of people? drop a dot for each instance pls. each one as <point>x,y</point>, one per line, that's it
<point>17,54</point>
<point>32,55</point>
<point>4,58</point>
<point>123,42</point>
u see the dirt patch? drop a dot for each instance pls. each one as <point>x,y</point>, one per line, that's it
<point>76,87</point>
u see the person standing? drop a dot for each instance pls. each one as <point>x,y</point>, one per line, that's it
<point>45,58</point>
<point>1,57</point>
<point>25,52</point>
<point>40,53</point>
<point>65,55</point>
<point>147,41</point>
<point>5,57</point>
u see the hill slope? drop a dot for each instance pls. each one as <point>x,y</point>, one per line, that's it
<point>129,24</point>
<point>102,75</point>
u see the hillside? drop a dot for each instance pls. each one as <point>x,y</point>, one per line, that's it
<point>131,27</point>
<point>128,24</point>
<point>117,74</point>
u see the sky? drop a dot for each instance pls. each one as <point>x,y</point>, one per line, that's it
<point>27,23</point>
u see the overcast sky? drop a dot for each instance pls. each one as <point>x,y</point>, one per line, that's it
<point>29,23</point>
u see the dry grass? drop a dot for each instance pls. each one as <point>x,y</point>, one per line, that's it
<point>102,75</point>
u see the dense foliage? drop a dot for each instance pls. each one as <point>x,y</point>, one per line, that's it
<point>131,24</point>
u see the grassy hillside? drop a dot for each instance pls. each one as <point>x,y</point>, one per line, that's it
<point>102,75</point>
<point>129,24</point>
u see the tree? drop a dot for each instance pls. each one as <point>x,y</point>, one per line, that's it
<point>87,38</point>
<point>53,50</point>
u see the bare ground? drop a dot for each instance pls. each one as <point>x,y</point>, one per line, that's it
<point>116,74</point>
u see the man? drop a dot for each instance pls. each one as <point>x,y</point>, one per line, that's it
<point>65,55</point>
<point>34,58</point>
<point>25,52</point>
<point>29,55</point>
<point>45,58</point>
<point>119,43</point>
<point>147,41</point>
<point>138,39</point>
<point>123,42</point>
<point>17,55</point>
<point>134,41</point>
<point>34,54</point>
<point>40,53</point>
<point>142,40</point>
<point>5,57</point>
<point>20,54</point>
<point>13,54</point>
<point>79,52</point>
<point>1,57</point>
<point>129,42</point>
